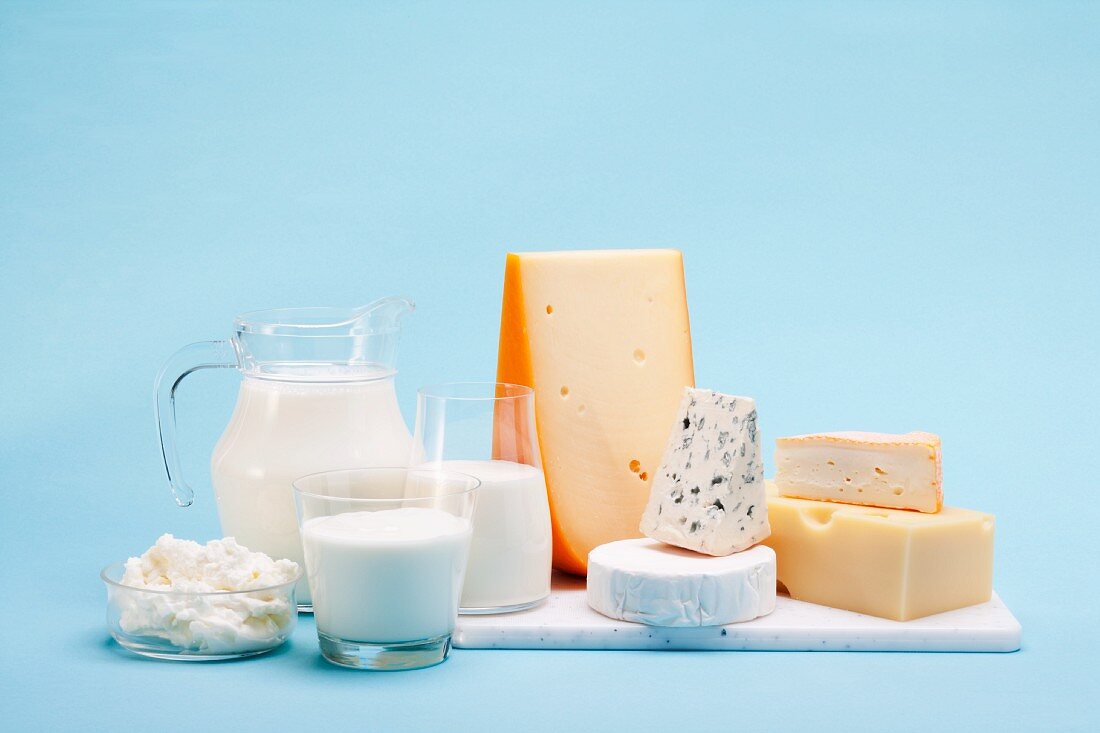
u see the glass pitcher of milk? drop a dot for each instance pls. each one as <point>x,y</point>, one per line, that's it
<point>317,395</point>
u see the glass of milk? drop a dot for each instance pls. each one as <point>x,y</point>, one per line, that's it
<point>385,551</point>
<point>487,430</point>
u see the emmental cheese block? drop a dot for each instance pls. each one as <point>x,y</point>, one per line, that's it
<point>649,582</point>
<point>708,495</point>
<point>603,338</point>
<point>891,563</point>
<point>874,469</point>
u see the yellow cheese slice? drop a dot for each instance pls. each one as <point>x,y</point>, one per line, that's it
<point>876,469</point>
<point>884,562</point>
<point>603,338</point>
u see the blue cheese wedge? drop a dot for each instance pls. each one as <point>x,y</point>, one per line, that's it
<point>649,582</point>
<point>708,494</point>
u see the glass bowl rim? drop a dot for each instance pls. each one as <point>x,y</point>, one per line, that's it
<point>105,576</point>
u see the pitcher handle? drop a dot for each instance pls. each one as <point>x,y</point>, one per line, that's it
<point>201,355</point>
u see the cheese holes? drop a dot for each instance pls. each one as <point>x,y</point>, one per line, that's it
<point>564,392</point>
<point>549,310</point>
<point>898,491</point>
<point>879,471</point>
<point>635,465</point>
<point>643,475</point>
<point>819,515</point>
<point>831,463</point>
<point>639,356</point>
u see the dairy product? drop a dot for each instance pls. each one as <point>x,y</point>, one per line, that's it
<point>708,494</point>
<point>876,469</point>
<point>393,575</point>
<point>220,620</point>
<point>653,583</point>
<point>603,338</point>
<point>511,550</point>
<point>892,563</point>
<point>281,431</point>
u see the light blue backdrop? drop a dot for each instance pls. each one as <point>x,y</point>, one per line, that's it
<point>889,214</point>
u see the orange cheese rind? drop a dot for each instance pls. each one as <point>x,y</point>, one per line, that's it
<point>514,366</point>
<point>857,437</point>
<point>854,502</point>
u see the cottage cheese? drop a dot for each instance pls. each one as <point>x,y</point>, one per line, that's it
<point>219,622</point>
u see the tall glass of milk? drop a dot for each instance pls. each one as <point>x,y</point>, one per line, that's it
<point>487,430</point>
<point>385,551</point>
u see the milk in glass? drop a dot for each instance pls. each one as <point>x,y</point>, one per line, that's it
<point>387,576</point>
<point>511,551</point>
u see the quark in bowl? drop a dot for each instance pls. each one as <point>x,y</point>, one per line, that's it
<point>183,601</point>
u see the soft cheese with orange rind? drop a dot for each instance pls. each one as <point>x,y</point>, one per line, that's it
<point>872,469</point>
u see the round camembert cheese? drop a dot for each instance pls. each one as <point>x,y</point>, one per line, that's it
<point>649,582</point>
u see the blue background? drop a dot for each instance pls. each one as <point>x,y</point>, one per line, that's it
<point>890,215</point>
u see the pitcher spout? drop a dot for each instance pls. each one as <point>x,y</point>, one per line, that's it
<point>382,316</point>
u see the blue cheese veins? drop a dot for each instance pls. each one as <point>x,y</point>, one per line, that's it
<point>708,495</point>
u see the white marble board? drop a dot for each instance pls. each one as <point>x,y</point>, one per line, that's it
<point>565,621</point>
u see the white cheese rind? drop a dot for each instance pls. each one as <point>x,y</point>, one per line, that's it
<point>709,495</point>
<point>652,583</point>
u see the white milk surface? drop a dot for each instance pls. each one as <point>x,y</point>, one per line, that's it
<point>511,550</point>
<point>281,431</point>
<point>388,576</point>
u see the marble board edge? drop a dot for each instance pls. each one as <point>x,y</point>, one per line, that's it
<point>565,622</point>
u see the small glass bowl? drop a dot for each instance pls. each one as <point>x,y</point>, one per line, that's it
<point>194,627</point>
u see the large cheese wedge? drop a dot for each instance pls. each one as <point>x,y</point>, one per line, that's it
<point>892,563</point>
<point>603,338</point>
<point>876,469</point>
